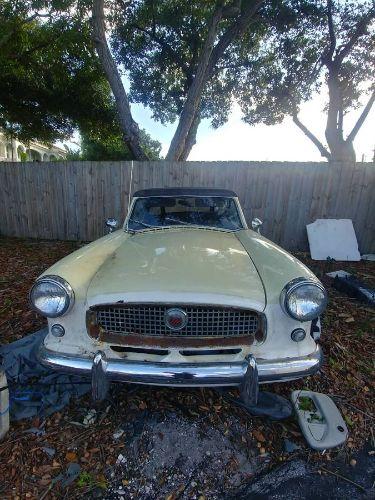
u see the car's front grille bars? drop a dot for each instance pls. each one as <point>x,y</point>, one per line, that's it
<point>202,321</point>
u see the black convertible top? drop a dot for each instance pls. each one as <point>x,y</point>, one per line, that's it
<point>144,193</point>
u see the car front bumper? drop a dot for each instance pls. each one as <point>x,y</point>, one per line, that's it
<point>183,374</point>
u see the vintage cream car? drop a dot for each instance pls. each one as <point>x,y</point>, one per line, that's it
<point>184,294</point>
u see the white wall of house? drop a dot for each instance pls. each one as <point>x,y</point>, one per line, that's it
<point>14,150</point>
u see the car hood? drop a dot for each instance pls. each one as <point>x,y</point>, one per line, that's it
<point>179,265</point>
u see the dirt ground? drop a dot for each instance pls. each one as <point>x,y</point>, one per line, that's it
<point>150,442</point>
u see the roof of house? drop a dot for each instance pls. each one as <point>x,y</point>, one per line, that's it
<point>144,193</point>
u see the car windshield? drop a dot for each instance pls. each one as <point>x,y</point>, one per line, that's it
<point>210,211</point>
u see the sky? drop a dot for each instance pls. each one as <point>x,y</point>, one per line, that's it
<point>284,142</point>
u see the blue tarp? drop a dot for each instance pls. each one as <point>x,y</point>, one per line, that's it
<point>35,390</point>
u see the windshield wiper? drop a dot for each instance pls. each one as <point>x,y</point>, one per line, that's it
<point>172,219</point>
<point>140,222</point>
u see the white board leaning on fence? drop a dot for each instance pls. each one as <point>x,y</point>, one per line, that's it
<point>333,238</point>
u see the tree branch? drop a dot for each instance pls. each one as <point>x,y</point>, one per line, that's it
<point>129,127</point>
<point>235,30</point>
<point>195,91</point>
<point>360,30</point>
<point>208,59</point>
<point>323,151</point>
<point>331,30</point>
<point>340,119</point>
<point>361,118</point>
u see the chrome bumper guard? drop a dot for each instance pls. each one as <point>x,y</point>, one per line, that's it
<point>243,374</point>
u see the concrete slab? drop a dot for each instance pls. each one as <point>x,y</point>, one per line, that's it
<point>333,239</point>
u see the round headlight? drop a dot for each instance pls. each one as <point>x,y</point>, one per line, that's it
<point>304,299</point>
<point>51,296</point>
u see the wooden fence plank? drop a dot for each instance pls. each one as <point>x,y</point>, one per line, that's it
<point>71,200</point>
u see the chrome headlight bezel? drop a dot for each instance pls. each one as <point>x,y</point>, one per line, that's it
<point>63,285</point>
<point>291,287</point>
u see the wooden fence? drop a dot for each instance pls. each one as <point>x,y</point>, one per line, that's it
<point>71,200</point>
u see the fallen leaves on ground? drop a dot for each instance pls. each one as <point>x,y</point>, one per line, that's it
<point>31,463</point>
<point>21,262</point>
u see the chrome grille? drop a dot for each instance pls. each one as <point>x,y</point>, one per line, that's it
<point>203,321</point>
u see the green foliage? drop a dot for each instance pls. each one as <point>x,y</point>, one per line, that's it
<point>108,145</point>
<point>51,82</point>
<point>86,479</point>
<point>306,404</point>
<point>291,66</point>
<point>159,44</point>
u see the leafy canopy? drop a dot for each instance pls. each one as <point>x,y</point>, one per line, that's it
<point>110,146</point>
<point>159,44</point>
<point>293,66</point>
<point>334,46</point>
<point>51,81</point>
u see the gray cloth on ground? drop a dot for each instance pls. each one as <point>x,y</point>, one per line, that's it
<point>34,389</point>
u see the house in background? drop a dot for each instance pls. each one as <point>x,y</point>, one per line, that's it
<point>14,150</point>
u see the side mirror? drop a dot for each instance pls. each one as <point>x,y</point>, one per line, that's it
<point>255,224</point>
<point>111,224</point>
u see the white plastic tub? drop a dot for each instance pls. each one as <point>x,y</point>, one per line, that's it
<point>4,405</point>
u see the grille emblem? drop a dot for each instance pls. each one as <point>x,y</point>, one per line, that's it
<point>175,319</point>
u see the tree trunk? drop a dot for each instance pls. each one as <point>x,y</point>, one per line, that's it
<point>193,98</point>
<point>129,127</point>
<point>191,138</point>
<point>209,57</point>
<point>340,149</point>
<point>343,151</point>
<point>323,151</point>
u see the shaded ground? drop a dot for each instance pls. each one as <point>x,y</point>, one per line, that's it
<point>177,443</point>
<point>298,479</point>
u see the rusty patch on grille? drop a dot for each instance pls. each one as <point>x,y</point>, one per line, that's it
<point>166,342</point>
<point>98,333</point>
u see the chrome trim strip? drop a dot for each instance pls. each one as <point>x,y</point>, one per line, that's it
<point>186,374</point>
